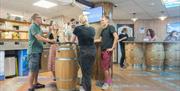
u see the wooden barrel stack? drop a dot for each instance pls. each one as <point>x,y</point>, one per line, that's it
<point>159,56</point>
<point>97,72</point>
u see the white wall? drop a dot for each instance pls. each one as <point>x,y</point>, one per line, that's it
<point>157,25</point>
<point>3,13</point>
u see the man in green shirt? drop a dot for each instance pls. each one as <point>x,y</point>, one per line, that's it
<point>35,48</point>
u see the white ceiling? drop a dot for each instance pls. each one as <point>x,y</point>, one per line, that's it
<point>144,9</point>
<point>27,7</point>
<point>124,9</point>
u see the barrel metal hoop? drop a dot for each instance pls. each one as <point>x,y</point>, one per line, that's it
<point>71,89</point>
<point>66,80</point>
<point>66,59</point>
<point>65,49</point>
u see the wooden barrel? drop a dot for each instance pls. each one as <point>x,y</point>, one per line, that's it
<point>172,56</point>
<point>154,56</point>
<point>97,72</point>
<point>66,68</point>
<point>134,55</point>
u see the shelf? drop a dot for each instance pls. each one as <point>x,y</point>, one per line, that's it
<point>14,21</point>
<point>8,30</point>
<point>20,40</point>
<point>20,22</point>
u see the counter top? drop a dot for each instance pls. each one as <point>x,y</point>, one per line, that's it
<point>151,41</point>
<point>16,45</point>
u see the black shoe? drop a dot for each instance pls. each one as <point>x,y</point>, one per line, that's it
<point>31,89</point>
<point>38,85</point>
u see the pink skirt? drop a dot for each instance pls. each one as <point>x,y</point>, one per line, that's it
<point>52,57</point>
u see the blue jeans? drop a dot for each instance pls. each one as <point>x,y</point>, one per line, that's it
<point>86,61</point>
<point>122,46</point>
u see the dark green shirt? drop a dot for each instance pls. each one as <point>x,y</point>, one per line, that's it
<point>107,37</point>
<point>34,45</point>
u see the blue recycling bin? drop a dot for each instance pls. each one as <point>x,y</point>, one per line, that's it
<point>23,63</point>
<point>2,58</point>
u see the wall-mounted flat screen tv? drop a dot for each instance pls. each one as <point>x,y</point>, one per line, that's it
<point>94,14</point>
<point>173,27</point>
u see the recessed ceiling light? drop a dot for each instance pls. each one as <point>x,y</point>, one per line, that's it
<point>45,4</point>
<point>15,15</point>
<point>152,4</point>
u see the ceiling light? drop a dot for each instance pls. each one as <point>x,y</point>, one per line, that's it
<point>16,15</point>
<point>44,4</point>
<point>134,19</point>
<point>163,16</point>
<point>152,4</point>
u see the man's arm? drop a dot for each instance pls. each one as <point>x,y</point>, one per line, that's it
<point>115,40</point>
<point>114,43</point>
<point>122,39</point>
<point>73,39</point>
<point>98,40</point>
<point>40,38</point>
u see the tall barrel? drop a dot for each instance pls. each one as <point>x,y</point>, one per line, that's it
<point>134,55</point>
<point>154,56</point>
<point>66,67</point>
<point>172,56</point>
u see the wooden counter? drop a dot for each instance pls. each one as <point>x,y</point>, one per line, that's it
<point>97,70</point>
<point>156,56</point>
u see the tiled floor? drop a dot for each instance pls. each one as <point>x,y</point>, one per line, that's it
<point>125,80</point>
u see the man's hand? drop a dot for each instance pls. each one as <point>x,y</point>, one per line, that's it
<point>52,41</point>
<point>110,49</point>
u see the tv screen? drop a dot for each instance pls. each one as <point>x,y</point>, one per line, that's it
<point>173,27</point>
<point>94,14</point>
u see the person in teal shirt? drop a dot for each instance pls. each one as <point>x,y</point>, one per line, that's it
<point>35,48</point>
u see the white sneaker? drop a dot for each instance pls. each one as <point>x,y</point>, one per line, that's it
<point>81,88</point>
<point>105,86</point>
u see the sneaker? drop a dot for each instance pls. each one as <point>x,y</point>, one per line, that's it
<point>38,85</point>
<point>122,68</point>
<point>31,89</point>
<point>99,83</point>
<point>105,86</point>
<point>81,88</point>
